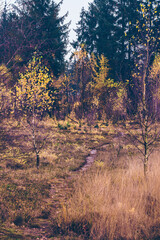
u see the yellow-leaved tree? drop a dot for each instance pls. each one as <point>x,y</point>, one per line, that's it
<point>82,76</point>
<point>5,92</point>
<point>32,94</point>
<point>33,98</point>
<point>108,93</point>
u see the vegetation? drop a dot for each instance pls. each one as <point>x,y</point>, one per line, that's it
<point>115,204</point>
<point>92,122</point>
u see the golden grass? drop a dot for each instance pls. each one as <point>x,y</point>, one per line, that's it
<point>27,194</point>
<point>117,204</point>
<point>111,202</point>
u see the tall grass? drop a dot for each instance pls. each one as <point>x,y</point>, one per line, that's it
<point>116,204</point>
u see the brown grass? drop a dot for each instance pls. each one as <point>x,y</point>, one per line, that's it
<point>116,204</point>
<point>28,195</point>
<point>111,201</point>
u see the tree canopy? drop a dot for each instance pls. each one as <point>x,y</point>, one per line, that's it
<point>31,25</point>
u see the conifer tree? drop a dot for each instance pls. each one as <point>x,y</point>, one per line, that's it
<point>48,33</point>
<point>30,25</point>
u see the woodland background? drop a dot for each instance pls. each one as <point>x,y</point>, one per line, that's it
<point>54,112</point>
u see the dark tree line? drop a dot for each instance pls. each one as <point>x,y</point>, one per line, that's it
<point>30,25</point>
<point>109,27</point>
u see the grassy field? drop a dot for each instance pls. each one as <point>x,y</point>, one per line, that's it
<point>116,201</point>
<point>31,199</point>
<point>111,200</point>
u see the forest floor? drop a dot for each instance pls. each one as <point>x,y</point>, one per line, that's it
<point>31,199</point>
<point>34,202</point>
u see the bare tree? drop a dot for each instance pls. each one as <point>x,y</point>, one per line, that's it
<point>146,117</point>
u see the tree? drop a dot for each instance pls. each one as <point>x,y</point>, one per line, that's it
<point>82,76</point>
<point>145,48</point>
<point>31,25</point>
<point>5,92</point>
<point>32,98</point>
<point>106,28</point>
<point>89,88</point>
<point>48,32</point>
<point>96,29</point>
<point>106,90</point>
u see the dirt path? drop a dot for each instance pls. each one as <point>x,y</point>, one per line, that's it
<point>89,160</point>
<point>46,226</point>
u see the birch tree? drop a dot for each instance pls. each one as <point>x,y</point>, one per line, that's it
<point>32,96</point>
<point>145,46</point>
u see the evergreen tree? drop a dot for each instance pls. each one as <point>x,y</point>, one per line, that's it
<point>48,31</point>
<point>96,29</point>
<point>34,24</point>
<point>106,28</point>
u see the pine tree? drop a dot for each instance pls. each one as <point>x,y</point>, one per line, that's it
<point>106,29</point>
<point>47,31</point>
<point>30,25</point>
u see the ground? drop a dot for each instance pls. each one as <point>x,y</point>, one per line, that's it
<point>31,199</point>
<point>90,180</point>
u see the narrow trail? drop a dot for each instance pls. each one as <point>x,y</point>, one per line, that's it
<point>89,160</point>
<point>46,232</point>
<point>58,190</point>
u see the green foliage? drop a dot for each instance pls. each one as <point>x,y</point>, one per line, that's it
<point>64,126</point>
<point>106,28</point>
<point>29,25</point>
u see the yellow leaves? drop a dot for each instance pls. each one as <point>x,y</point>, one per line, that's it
<point>18,58</point>
<point>100,71</point>
<point>31,89</point>
<point>5,75</point>
<point>155,69</point>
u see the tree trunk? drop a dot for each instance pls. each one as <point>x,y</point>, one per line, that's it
<point>38,160</point>
<point>145,168</point>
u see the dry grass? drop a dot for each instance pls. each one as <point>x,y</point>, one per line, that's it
<point>28,195</point>
<point>116,204</point>
<point>111,201</point>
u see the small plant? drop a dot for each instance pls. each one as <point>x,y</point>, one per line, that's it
<point>64,127</point>
<point>68,125</point>
<point>99,163</point>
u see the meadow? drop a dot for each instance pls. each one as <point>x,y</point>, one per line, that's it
<point>111,199</point>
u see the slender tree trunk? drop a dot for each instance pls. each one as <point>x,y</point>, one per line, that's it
<point>146,151</point>
<point>38,160</point>
<point>145,117</point>
<point>34,141</point>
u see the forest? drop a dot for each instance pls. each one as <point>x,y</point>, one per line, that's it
<point>80,135</point>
